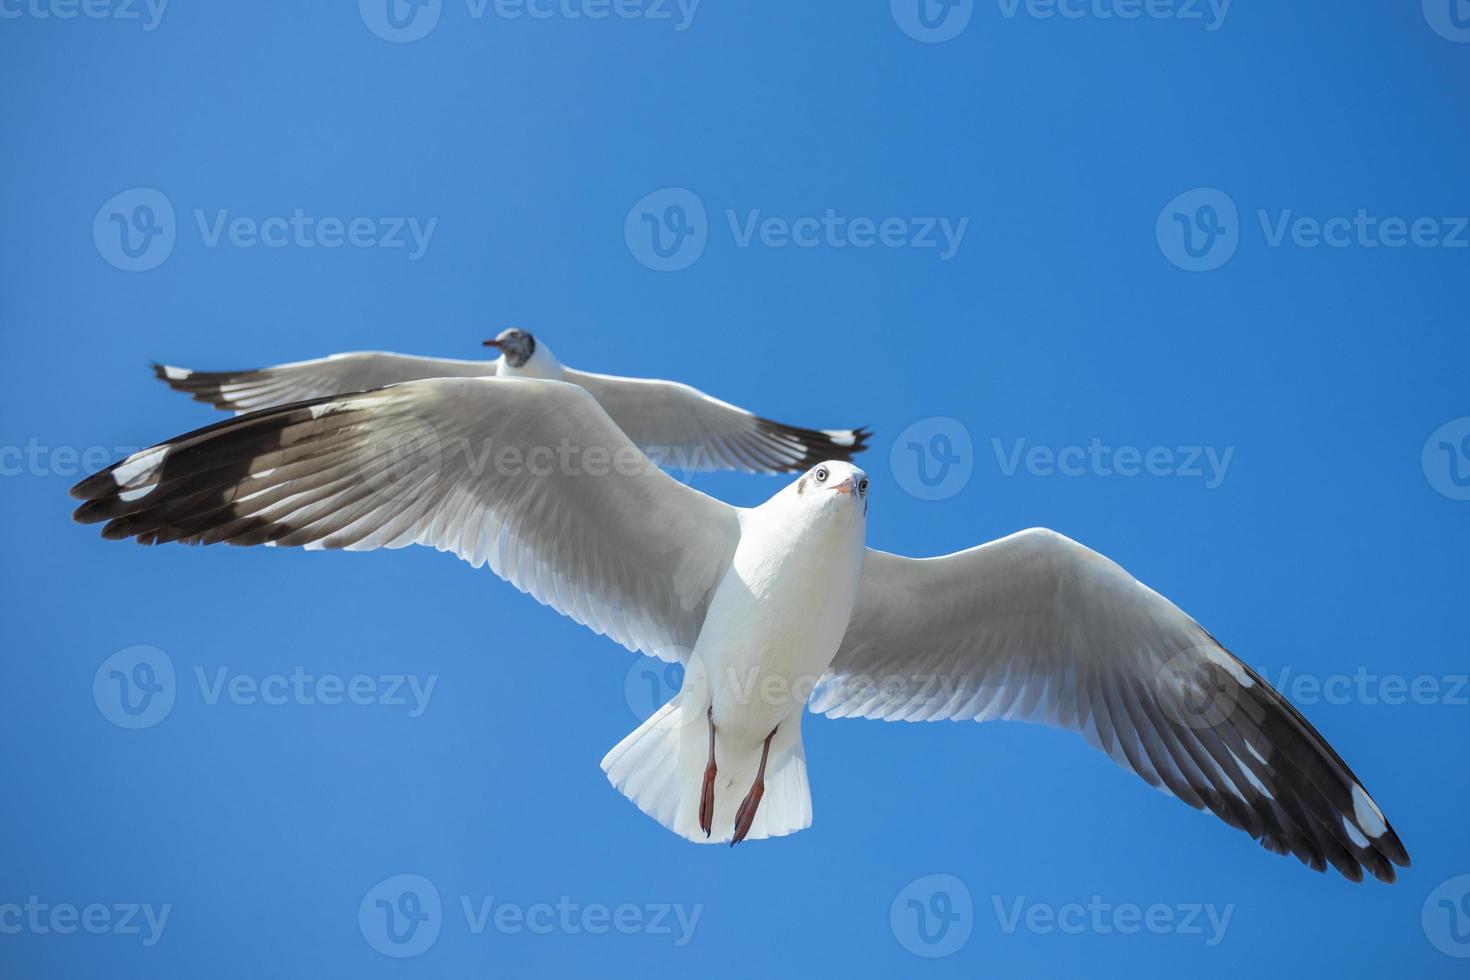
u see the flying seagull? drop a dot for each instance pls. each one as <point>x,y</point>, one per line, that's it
<point>675,424</point>
<point>768,608</point>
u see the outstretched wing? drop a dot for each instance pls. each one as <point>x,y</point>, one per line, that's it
<point>687,430</point>
<point>1036,627</point>
<point>531,477</point>
<point>299,381</point>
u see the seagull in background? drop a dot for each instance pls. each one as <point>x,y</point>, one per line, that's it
<point>675,424</point>
<point>770,609</point>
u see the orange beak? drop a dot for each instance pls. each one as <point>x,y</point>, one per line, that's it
<point>846,486</point>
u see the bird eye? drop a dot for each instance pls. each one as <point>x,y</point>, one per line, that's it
<point>863,485</point>
<point>821,474</point>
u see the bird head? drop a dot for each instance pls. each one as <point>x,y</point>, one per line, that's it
<point>517,346</point>
<point>834,486</point>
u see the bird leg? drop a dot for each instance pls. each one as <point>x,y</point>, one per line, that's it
<point>745,816</point>
<point>707,794</point>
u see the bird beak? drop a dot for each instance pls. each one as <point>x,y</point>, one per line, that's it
<point>492,343</point>
<point>846,486</point>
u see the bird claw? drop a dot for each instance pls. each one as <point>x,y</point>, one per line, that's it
<point>707,800</point>
<point>745,816</point>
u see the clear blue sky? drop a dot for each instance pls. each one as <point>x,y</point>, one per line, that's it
<point>1331,547</point>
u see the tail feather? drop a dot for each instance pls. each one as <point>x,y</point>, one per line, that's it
<point>660,767</point>
<point>644,765</point>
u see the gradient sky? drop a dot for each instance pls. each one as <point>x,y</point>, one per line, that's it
<point>1069,157</point>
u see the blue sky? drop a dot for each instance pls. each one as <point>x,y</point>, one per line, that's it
<point>1226,240</point>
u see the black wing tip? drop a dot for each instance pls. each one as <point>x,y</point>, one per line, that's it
<point>90,488</point>
<point>202,386</point>
<point>1391,847</point>
<point>818,445</point>
<point>178,383</point>
<point>184,489</point>
<point>1377,859</point>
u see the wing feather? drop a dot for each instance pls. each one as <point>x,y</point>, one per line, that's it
<point>689,431</point>
<point>1035,627</point>
<point>297,381</point>
<point>597,532</point>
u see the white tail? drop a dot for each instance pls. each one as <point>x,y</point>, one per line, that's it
<point>660,767</point>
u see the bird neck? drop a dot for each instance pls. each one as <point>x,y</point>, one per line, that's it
<point>541,364</point>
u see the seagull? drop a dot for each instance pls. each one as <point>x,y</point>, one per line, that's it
<point>770,609</point>
<point>677,425</point>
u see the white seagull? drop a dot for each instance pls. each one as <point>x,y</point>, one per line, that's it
<point>678,426</point>
<point>762,605</point>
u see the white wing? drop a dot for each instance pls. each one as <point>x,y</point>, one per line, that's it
<point>531,477</point>
<point>1036,627</point>
<point>299,381</point>
<point>685,429</point>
